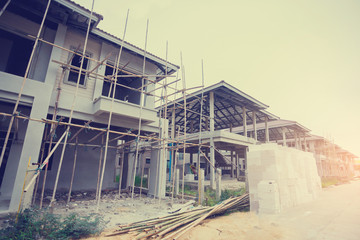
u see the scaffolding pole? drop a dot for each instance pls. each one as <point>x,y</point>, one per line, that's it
<point>73,170</point>
<point>185,128</point>
<point>110,115</point>
<point>72,107</point>
<point>200,131</point>
<point>142,102</point>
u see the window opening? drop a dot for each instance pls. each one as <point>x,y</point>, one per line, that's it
<point>74,72</point>
<point>122,93</point>
<point>15,53</point>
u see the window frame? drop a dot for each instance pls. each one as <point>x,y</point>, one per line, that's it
<point>66,77</point>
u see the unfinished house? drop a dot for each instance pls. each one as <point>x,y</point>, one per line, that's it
<point>331,159</point>
<point>221,127</point>
<point>207,117</point>
<point>77,104</point>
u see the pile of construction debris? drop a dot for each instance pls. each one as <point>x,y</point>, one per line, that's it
<point>176,224</point>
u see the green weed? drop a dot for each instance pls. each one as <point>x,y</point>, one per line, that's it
<point>40,224</point>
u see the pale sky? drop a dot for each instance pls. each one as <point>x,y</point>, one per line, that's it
<point>299,57</point>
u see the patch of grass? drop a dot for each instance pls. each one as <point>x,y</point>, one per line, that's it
<point>225,194</point>
<point>40,224</point>
<point>326,182</point>
<point>189,190</point>
<point>210,195</point>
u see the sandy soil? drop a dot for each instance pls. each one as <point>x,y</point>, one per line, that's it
<point>236,226</point>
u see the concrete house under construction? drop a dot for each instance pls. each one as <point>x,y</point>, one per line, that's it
<point>83,110</point>
<point>74,77</point>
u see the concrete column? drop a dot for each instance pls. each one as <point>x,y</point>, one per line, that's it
<point>266,130</point>
<point>202,179</point>
<point>254,124</point>
<point>241,163</point>
<point>172,152</point>
<point>237,165</point>
<point>218,184</point>
<point>35,130</point>
<point>177,181</point>
<point>284,136</point>
<point>158,164</point>
<point>295,140</point>
<point>305,144</point>
<point>232,164</point>
<point>246,171</point>
<point>244,121</point>
<point>212,145</point>
<point>31,147</point>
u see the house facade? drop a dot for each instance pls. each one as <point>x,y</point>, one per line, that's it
<point>50,96</point>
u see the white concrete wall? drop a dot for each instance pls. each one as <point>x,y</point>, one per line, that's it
<point>291,171</point>
<point>86,171</point>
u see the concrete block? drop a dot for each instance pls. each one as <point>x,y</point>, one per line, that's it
<point>268,194</point>
<point>293,171</point>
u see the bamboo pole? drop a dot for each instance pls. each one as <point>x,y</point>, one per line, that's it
<point>99,169</point>
<point>98,129</point>
<point>95,137</point>
<point>142,174</point>
<point>110,115</point>
<point>73,170</point>
<point>23,84</point>
<point>174,177</point>
<point>85,145</point>
<point>22,192</point>
<point>121,169</point>
<point>79,131</point>
<point>164,130</point>
<point>181,231</point>
<point>42,159</point>
<point>101,77</point>
<point>46,170</point>
<point>200,131</point>
<point>96,61</point>
<point>140,118</point>
<point>173,82</point>
<point>44,163</point>
<point>72,107</point>
<point>4,8</point>
<point>185,130</point>
<point>157,189</point>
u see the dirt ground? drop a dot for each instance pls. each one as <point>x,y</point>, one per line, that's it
<point>117,210</point>
<point>236,226</point>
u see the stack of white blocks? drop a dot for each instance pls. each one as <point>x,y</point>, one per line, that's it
<point>280,177</point>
